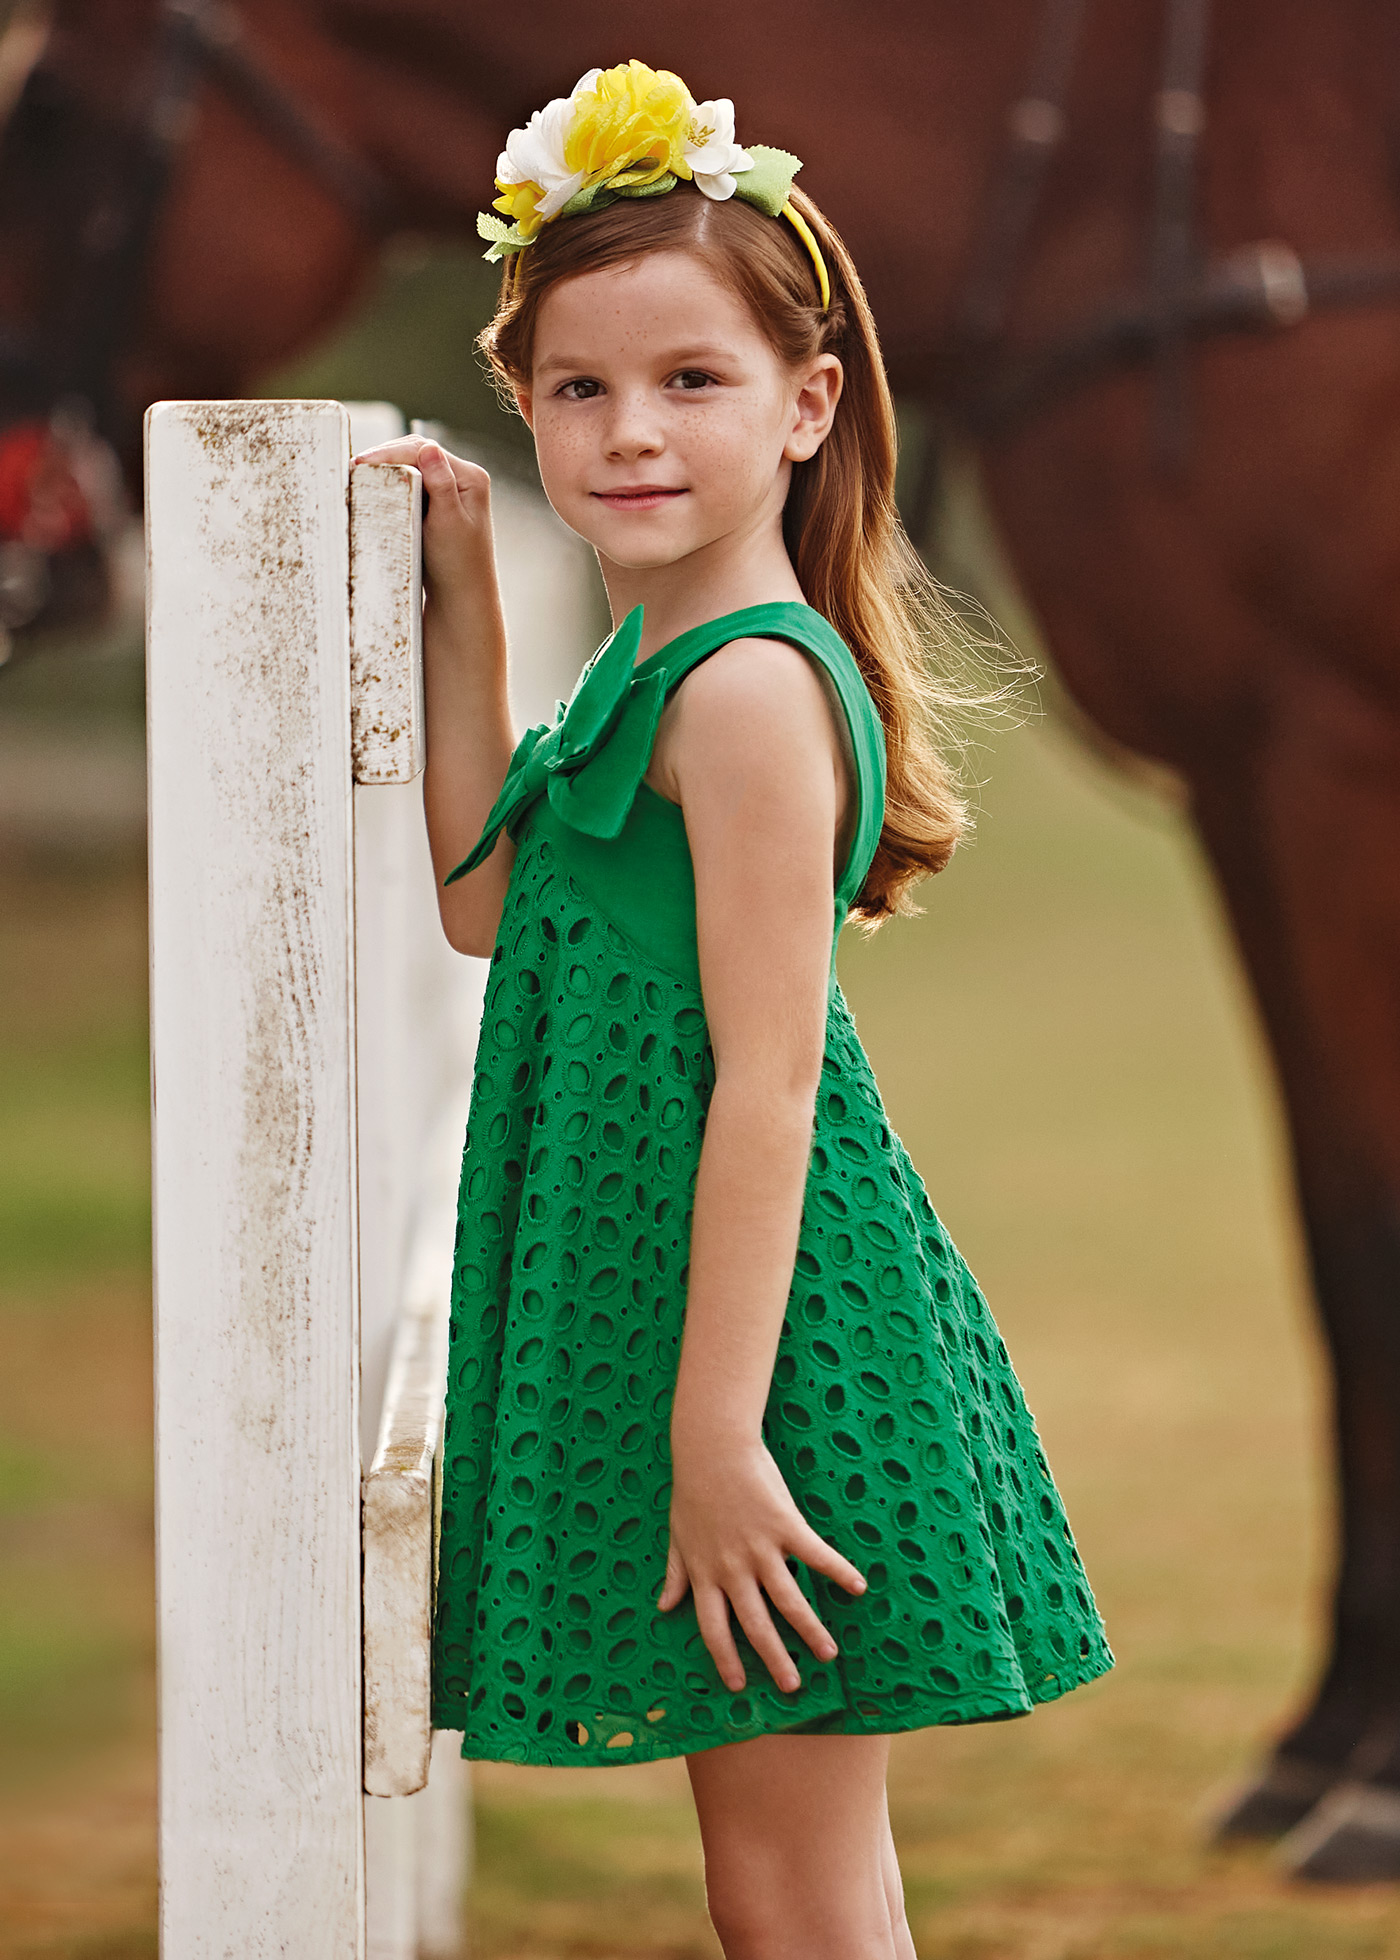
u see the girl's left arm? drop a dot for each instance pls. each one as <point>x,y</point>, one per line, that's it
<point>753,757</point>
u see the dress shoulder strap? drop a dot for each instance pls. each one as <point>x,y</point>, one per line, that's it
<point>804,627</point>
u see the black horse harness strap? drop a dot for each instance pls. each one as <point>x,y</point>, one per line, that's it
<point>1259,286</point>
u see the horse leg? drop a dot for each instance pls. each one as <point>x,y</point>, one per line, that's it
<point>1304,832</point>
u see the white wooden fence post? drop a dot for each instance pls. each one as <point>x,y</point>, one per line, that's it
<point>312,1039</point>
<point>253,1032</point>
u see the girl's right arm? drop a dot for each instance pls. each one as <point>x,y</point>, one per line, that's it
<point>469,735</point>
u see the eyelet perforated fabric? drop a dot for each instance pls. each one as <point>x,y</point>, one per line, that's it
<point>894,1413</point>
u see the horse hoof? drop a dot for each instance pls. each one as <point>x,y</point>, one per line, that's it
<point>1280,1798</point>
<point>1351,1838</point>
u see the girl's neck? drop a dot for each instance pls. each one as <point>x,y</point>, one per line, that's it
<point>720,578</point>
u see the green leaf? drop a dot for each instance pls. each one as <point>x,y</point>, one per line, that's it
<point>504,238</point>
<point>662,184</point>
<point>592,197</point>
<point>769,184</point>
<point>598,195</point>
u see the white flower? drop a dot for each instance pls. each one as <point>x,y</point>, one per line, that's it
<point>711,151</point>
<point>535,154</point>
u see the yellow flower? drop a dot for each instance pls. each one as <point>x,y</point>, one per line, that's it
<point>519,202</point>
<point>631,127</point>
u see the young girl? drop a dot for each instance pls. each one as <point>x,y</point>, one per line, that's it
<point>735,1464</point>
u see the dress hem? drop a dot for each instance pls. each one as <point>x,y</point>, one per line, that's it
<point>593,1756</point>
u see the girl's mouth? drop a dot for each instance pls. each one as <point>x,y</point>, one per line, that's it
<point>638,496</point>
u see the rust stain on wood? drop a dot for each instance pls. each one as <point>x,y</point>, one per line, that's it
<point>386,703</point>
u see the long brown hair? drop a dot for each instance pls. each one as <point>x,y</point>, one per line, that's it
<point>851,555</point>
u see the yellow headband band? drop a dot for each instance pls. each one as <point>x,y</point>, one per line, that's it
<point>809,239</point>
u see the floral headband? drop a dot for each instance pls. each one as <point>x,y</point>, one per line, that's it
<point>633,131</point>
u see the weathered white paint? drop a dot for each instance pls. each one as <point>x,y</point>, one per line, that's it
<point>418,1006</point>
<point>313,1038</point>
<point>254,1175</point>
<point>419,1003</point>
<point>386,623</point>
<point>399,1488</point>
<point>391,1874</point>
<point>445,1848</point>
<point>418,1858</point>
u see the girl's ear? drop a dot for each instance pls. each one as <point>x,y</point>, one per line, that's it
<point>814,408</point>
<point>525,402</point>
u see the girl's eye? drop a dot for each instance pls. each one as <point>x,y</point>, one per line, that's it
<point>692,379</point>
<point>582,389</point>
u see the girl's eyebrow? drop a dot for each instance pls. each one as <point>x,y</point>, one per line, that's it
<point>685,356</point>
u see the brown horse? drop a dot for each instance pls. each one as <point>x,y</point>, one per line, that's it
<point>1235,615</point>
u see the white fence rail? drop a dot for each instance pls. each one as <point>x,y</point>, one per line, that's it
<point>312,1042</point>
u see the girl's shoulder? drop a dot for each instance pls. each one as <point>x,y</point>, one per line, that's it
<point>752,700</point>
<point>754,637</point>
<point>766,682</point>
<point>752,674</point>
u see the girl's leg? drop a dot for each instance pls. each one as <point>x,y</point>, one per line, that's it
<point>894,1895</point>
<point>799,1860</point>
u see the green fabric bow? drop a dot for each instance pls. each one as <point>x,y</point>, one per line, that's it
<point>767,185</point>
<point>590,762</point>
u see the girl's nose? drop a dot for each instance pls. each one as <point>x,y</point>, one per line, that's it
<point>634,429</point>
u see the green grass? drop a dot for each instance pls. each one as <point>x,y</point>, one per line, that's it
<point>74,1149</point>
<point>76,1633</point>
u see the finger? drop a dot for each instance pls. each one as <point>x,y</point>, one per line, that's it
<point>677,1582</point>
<point>752,1610</point>
<point>815,1553</point>
<point>452,484</point>
<point>712,1613</point>
<point>402,449</point>
<point>797,1610</point>
<point>470,476</point>
<point>435,466</point>
<point>439,468</point>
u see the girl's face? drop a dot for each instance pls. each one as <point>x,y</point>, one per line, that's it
<point>663,419</point>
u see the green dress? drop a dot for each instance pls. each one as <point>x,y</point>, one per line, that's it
<point>893,1415</point>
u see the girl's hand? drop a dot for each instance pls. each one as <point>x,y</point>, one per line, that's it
<point>733,1522</point>
<point>457,549</point>
<point>469,734</point>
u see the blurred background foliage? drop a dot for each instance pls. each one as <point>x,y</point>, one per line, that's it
<point>1063,1041</point>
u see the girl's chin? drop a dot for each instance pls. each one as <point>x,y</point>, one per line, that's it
<point>632,549</point>
<point>655,560</point>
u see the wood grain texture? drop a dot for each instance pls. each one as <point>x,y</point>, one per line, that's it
<point>254,1177</point>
